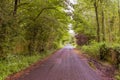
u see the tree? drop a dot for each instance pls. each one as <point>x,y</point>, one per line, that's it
<point>97,20</point>
<point>103,20</point>
<point>31,26</point>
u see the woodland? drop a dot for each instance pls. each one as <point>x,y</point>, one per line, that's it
<point>97,27</point>
<point>32,29</point>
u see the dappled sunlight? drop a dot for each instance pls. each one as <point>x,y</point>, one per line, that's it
<point>73,1</point>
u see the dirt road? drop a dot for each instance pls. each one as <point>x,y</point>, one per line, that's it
<point>63,65</point>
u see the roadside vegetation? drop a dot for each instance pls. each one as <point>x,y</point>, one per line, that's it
<point>97,27</point>
<point>16,63</point>
<point>28,29</point>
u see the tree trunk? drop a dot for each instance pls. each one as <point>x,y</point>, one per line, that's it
<point>103,21</point>
<point>103,26</point>
<point>111,37</point>
<point>119,14</point>
<point>97,20</point>
<point>15,7</point>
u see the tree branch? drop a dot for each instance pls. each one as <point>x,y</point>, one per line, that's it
<point>22,4</point>
<point>42,12</point>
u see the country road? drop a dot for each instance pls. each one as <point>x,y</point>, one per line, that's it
<point>63,65</point>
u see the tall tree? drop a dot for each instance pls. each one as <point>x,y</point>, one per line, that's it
<point>103,20</point>
<point>97,20</point>
<point>119,13</point>
<point>15,7</point>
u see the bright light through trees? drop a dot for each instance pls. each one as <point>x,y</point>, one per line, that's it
<point>73,1</point>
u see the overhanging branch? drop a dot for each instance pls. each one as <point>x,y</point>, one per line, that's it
<point>43,11</point>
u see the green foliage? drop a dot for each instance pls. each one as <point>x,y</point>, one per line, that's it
<point>15,63</point>
<point>84,19</point>
<point>92,49</point>
<point>29,28</point>
<point>117,77</point>
<point>103,52</point>
<point>101,20</point>
<point>37,26</point>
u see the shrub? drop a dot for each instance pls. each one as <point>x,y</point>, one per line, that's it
<point>117,77</point>
<point>104,50</point>
<point>92,49</point>
<point>117,51</point>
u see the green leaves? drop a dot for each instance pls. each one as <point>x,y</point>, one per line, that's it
<point>38,25</point>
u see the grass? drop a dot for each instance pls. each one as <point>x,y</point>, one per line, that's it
<point>117,77</point>
<point>15,63</point>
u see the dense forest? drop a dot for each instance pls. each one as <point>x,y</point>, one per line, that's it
<point>97,24</point>
<point>97,27</point>
<point>30,29</point>
<point>31,26</point>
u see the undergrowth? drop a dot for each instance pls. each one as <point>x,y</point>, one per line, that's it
<point>105,52</point>
<point>16,63</point>
<point>92,49</point>
<point>117,77</point>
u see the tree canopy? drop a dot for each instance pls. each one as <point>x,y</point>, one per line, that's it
<point>28,26</point>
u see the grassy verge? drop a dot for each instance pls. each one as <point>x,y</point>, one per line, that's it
<point>15,63</point>
<point>117,77</point>
<point>106,53</point>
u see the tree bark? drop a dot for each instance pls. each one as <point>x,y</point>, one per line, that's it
<point>111,36</point>
<point>103,21</point>
<point>103,26</point>
<point>15,7</point>
<point>97,20</point>
<point>119,13</point>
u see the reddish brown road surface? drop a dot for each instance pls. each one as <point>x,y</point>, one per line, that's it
<point>63,65</point>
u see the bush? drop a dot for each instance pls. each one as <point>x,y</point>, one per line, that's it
<point>104,50</point>
<point>117,51</point>
<point>92,49</point>
<point>117,77</point>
